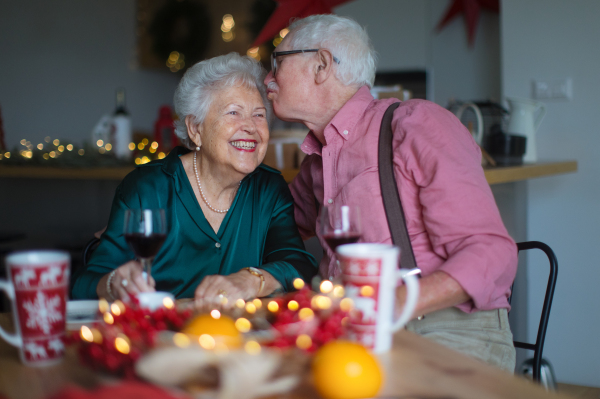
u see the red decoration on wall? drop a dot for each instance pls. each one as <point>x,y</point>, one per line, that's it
<point>472,10</point>
<point>288,9</point>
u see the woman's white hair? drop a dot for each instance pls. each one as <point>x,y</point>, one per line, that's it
<point>200,83</point>
<point>347,41</point>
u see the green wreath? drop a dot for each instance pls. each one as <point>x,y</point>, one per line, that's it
<point>183,27</point>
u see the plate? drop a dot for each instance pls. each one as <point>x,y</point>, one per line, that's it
<point>80,312</point>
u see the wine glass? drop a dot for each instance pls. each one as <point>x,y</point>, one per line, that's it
<point>145,231</point>
<point>340,224</point>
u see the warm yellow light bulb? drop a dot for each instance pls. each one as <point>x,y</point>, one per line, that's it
<point>122,344</point>
<point>303,341</point>
<point>252,347</point>
<point>326,286</point>
<point>206,341</point>
<point>273,306</point>
<point>86,334</point>
<point>243,325</point>
<point>305,313</point>
<point>293,305</point>
<point>298,283</point>
<point>250,308</point>
<point>181,340</point>
<point>108,318</point>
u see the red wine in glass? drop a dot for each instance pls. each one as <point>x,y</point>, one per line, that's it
<point>145,246</point>
<point>145,231</point>
<point>335,240</point>
<point>340,224</point>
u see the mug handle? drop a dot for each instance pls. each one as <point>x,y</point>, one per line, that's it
<point>412,295</point>
<point>542,113</point>
<point>13,339</point>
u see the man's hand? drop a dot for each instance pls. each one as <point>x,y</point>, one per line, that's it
<point>436,291</point>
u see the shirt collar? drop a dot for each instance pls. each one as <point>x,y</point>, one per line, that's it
<point>348,116</point>
<point>345,120</point>
<point>171,161</point>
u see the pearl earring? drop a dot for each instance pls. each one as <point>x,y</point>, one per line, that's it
<point>198,148</point>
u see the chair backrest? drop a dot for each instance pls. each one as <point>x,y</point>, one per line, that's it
<point>538,347</point>
<point>89,248</point>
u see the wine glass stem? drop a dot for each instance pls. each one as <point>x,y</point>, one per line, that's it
<point>146,267</point>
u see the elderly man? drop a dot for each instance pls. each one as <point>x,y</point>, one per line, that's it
<point>321,75</point>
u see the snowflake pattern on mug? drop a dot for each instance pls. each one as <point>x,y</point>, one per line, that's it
<point>43,312</point>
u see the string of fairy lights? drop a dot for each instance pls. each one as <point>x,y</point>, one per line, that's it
<point>50,149</point>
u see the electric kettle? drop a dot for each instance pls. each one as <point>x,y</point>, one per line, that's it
<point>524,122</point>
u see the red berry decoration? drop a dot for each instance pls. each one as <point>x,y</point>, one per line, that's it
<point>127,331</point>
<point>307,322</point>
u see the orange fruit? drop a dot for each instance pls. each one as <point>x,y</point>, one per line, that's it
<point>222,329</point>
<point>346,370</point>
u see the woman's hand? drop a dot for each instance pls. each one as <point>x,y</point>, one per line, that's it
<point>223,291</point>
<point>128,279</point>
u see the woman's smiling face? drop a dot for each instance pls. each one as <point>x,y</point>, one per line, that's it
<point>235,132</point>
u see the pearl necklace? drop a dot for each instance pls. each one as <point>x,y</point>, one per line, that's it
<point>202,192</point>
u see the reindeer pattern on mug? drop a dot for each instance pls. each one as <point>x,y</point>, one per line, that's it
<point>40,301</point>
<point>362,286</point>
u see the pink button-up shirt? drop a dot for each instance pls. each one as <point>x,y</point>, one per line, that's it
<point>453,221</point>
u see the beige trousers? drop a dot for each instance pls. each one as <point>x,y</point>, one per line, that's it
<point>484,335</point>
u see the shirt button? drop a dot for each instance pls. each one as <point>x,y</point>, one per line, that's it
<point>345,132</point>
<point>218,245</point>
<point>330,201</point>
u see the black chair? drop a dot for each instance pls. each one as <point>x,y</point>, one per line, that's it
<point>538,347</point>
<point>89,248</point>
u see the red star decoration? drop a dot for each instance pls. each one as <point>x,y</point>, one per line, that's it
<point>472,10</point>
<point>288,9</point>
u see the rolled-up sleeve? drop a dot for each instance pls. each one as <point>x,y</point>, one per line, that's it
<point>459,213</point>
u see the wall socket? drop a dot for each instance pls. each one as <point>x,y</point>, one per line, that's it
<point>557,89</point>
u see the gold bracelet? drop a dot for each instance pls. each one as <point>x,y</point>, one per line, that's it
<point>256,272</point>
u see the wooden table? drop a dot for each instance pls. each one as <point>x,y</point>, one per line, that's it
<point>415,368</point>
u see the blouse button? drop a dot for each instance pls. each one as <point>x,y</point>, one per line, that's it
<point>330,201</point>
<point>218,245</point>
<point>345,132</point>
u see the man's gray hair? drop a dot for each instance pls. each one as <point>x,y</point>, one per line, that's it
<point>200,83</point>
<point>347,41</point>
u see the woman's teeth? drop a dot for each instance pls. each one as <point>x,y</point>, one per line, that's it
<point>244,145</point>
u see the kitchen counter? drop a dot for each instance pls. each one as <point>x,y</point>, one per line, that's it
<point>494,175</point>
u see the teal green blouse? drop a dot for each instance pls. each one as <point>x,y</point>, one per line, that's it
<point>259,230</point>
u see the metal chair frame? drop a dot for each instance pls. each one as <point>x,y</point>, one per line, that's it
<point>538,347</point>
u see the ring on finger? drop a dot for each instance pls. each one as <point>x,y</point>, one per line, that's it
<point>124,282</point>
<point>222,293</point>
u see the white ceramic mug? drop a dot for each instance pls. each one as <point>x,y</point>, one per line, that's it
<point>154,300</point>
<point>37,285</point>
<point>370,274</point>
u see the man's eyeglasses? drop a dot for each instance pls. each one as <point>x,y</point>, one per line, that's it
<point>276,54</point>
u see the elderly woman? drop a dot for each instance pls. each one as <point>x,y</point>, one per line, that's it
<point>230,218</point>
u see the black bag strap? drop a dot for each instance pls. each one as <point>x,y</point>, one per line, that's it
<point>390,194</point>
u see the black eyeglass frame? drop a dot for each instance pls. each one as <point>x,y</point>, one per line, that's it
<point>276,54</point>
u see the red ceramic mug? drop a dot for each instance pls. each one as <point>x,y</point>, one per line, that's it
<point>37,285</point>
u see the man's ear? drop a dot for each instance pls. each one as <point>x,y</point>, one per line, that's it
<point>324,68</point>
<point>194,129</point>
